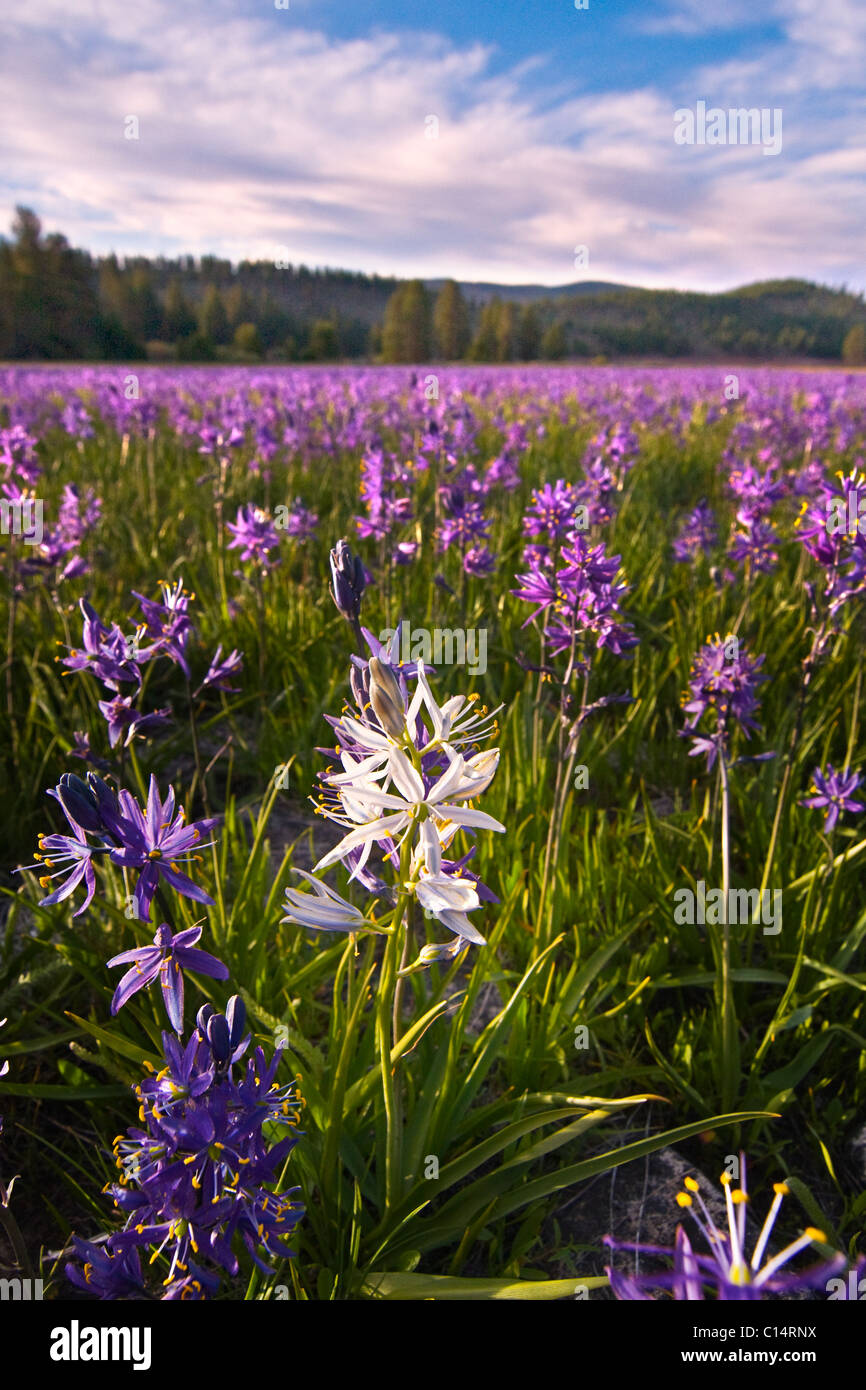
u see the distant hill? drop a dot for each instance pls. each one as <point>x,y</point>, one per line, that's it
<point>57,302</point>
<point>479,292</point>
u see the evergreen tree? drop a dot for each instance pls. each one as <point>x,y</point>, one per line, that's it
<point>553,346</point>
<point>854,346</point>
<point>485,344</point>
<point>451,322</point>
<point>407,329</point>
<point>528,334</point>
<point>177,317</point>
<point>213,320</point>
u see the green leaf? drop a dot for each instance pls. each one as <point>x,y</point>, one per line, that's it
<point>409,1287</point>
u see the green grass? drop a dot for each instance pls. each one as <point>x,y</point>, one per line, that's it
<point>512,1111</point>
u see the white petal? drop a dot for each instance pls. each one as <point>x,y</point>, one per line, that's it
<point>464,815</point>
<point>374,830</point>
<point>406,779</point>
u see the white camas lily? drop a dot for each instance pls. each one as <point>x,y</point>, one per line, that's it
<point>448,896</point>
<point>363,802</point>
<point>382,797</point>
<point>323,910</point>
<point>455,724</point>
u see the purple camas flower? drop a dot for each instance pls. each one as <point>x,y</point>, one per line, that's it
<point>18,454</point>
<point>832,791</point>
<point>697,535</point>
<point>479,561</point>
<point>220,671</point>
<point>167,623</point>
<point>197,1178</point>
<point>756,493</point>
<point>722,685</point>
<point>153,840</point>
<point>298,522</point>
<point>756,543</point>
<point>121,716</point>
<point>726,1273</point>
<point>584,595</point>
<point>167,959</point>
<point>551,512</point>
<point>105,1272</point>
<point>112,657</point>
<point>383,485</point>
<point>255,535</point>
<point>826,531</point>
<point>464,523</point>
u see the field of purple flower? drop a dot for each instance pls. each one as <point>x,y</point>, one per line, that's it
<point>429,793</point>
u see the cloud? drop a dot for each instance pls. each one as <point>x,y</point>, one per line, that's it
<point>261,132</point>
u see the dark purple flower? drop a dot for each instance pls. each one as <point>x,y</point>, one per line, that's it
<point>722,685</point>
<point>154,840</point>
<point>105,1272</point>
<point>167,958</point>
<point>725,1271</point>
<point>120,716</point>
<point>255,535</point>
<point>697,534</point>
<point>349,579</point>
<point>833,790</point>
<point>197,1179</point>
<point>220,672</point>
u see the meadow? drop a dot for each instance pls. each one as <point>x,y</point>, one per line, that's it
<point>598,629</point>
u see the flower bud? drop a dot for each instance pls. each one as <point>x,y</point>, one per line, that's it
<point>386,697</point>
<point>348,581</point>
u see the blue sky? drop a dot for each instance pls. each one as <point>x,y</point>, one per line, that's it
<point>486,139</point>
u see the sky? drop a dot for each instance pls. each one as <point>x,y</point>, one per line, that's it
<point>519,141</point>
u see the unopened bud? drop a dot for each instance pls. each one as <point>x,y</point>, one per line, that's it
<point>386,698</point>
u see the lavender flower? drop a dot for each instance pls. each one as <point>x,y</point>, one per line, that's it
<point>254,534</point>
<point>833,790</point>
<point>220,672</point>
<point>697,534</point>
<point>154,840</point>
<point>167,958</point>
<point>727,1272</point>
<point>197,1179</point>
<point>723,684</point>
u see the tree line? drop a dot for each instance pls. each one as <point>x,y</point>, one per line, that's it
<point>58,302</point>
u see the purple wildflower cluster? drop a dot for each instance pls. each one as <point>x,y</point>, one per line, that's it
<point>697,536</point>
<point>54,551</point>
<point>723,686</point>
<point>829,527</point>
<point>197,1177</point>
<point>117,658</point>
<point>255,536</point>
<point>583,596</point>
<point>152,840</point>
